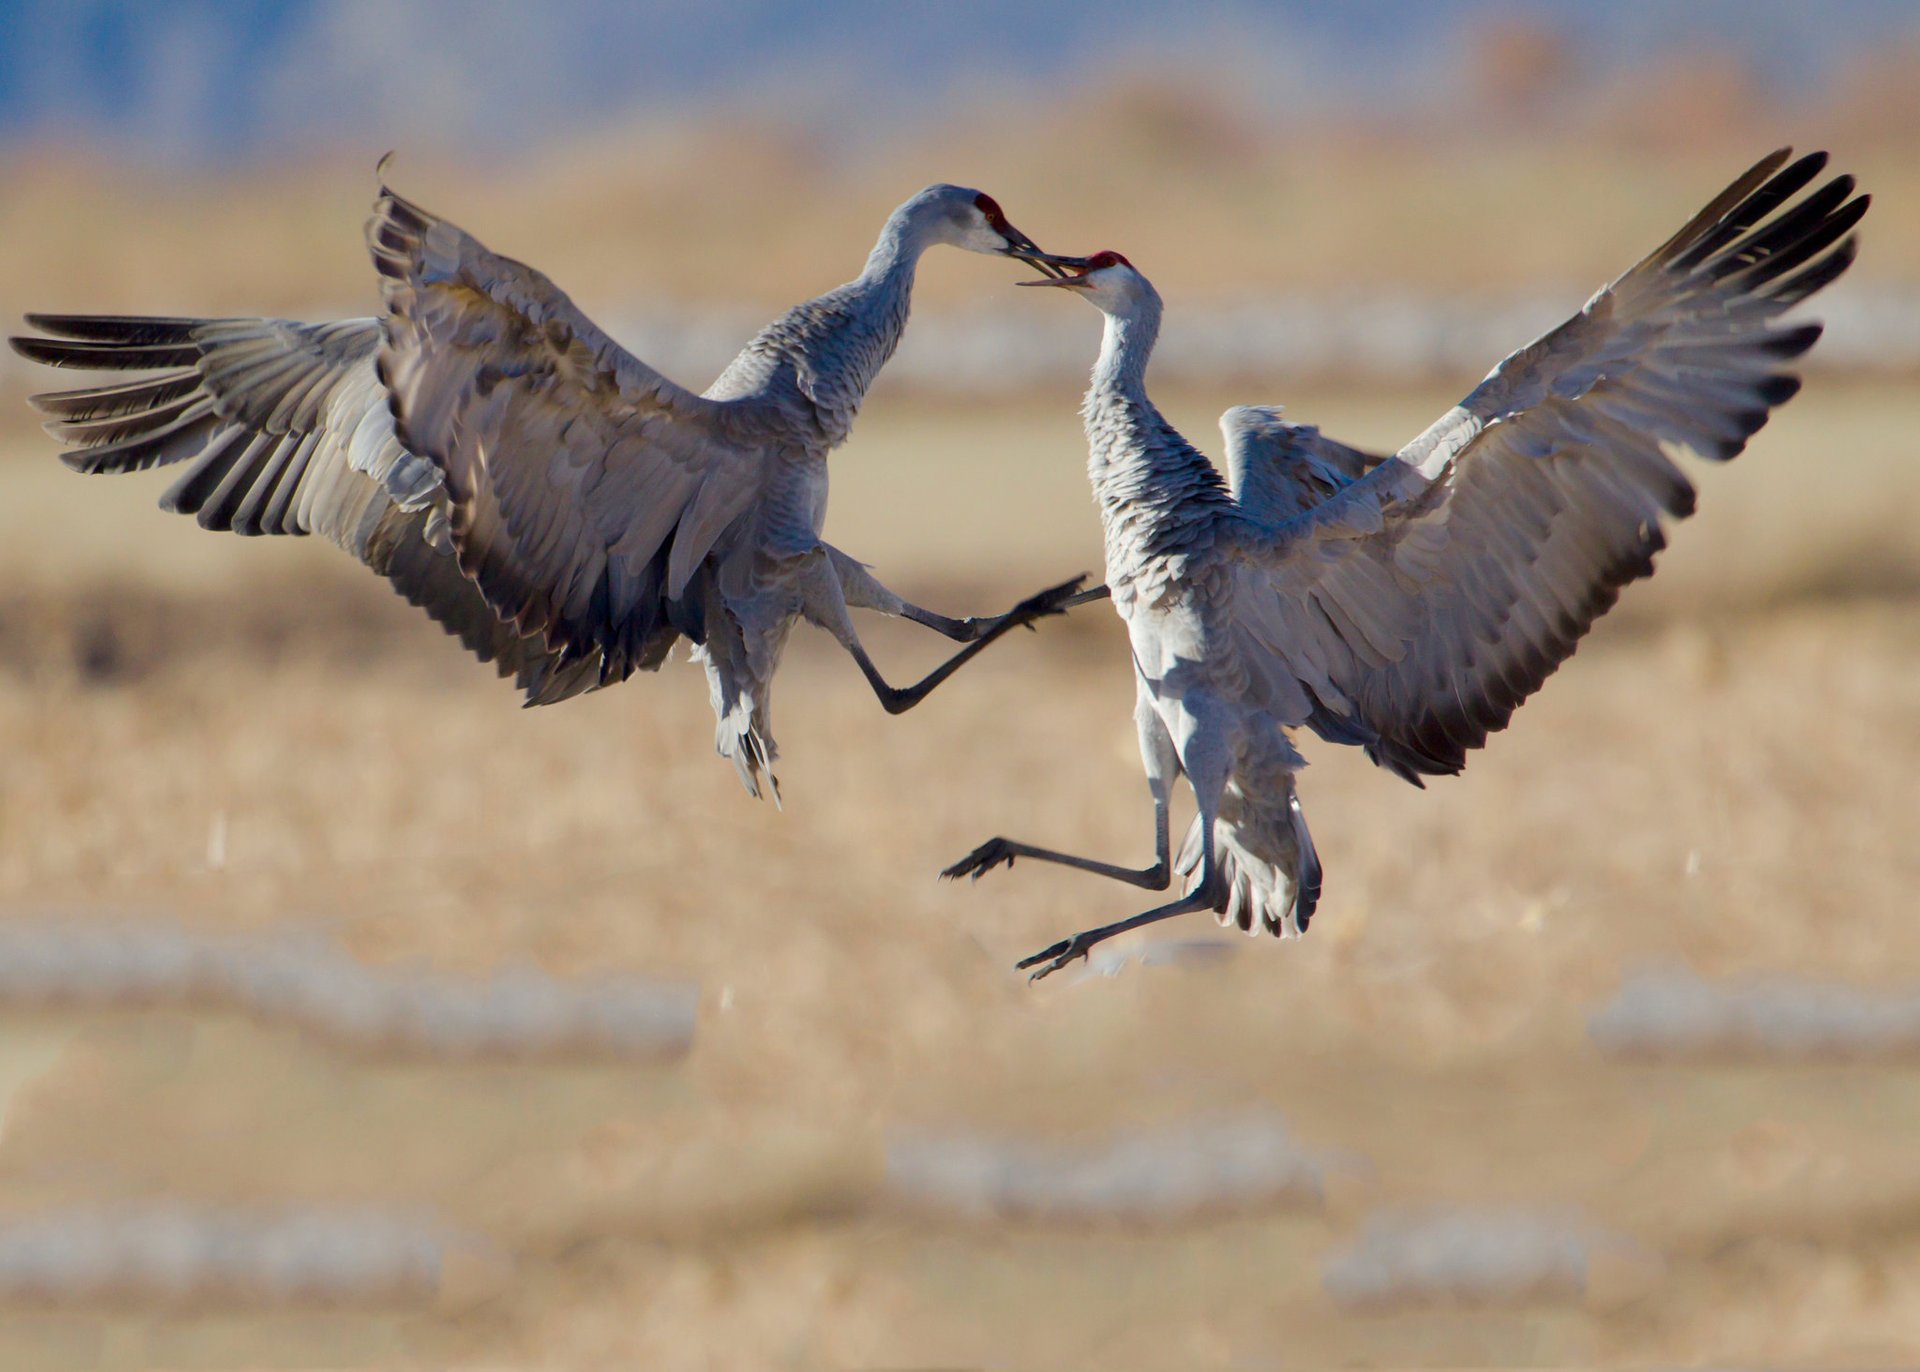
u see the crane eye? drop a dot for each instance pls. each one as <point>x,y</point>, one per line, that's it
<point>990,207</point>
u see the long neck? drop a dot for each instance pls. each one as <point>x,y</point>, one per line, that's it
<point>1120,372</point>
<point>831,348</point>
<point>1143,471</point>
<point>869,313</point>
<point>895,253</point>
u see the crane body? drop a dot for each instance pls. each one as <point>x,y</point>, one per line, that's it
<point>1408,603</point>
<point>563,508</point>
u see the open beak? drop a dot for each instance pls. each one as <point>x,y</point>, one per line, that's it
<point>1065,271</point>
<point>1028,251</point>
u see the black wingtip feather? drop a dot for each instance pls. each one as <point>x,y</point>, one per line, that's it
<point>1805,240</point>
<point>123,398</point>
<point>1792,342</point>
<point>1769,239</point>
<point>105,430</point>
<point>116,328</point>
<point>1710,232</point>
<point>95,356</point>
<point>1820,275</point>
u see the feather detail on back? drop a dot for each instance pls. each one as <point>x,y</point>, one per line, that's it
<point>1278,470</point>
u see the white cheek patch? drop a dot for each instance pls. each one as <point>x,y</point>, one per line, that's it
<point>985,238</point>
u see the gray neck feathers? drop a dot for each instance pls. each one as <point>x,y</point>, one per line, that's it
<point>838,343</point>
<point>1127,344</point>
<point>1146,476</point>
<point>897,251</point>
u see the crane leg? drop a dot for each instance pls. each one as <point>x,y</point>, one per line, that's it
<point>998,850</point>
<point>1054,601</point>
<point>899,699</point>
<point>1205,759</point>
<point>827,597</point>
<point>864,591</point>
<point>1058,955</point>
<point>1163,768</point>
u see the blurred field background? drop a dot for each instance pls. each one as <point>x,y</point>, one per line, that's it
<point>1395,1142</point>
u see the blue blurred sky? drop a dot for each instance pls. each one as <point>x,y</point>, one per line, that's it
<point>215,80</point>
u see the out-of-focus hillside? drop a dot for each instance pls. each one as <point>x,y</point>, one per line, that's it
<point>1520,188</point>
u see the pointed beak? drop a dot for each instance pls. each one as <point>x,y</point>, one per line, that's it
<point>1066,271</point>
<point>1025,249</point>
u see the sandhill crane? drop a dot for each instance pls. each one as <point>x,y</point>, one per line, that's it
<point>1408,604</point>
<point>562,507</point>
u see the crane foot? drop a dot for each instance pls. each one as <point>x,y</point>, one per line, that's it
<point>982,860</point>
<point>1055,600</point>
<point>1055,957</point>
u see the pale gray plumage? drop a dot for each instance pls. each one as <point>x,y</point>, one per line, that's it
<point>565,509</point>
<point>1408,604</point>
<point>1277,470</point>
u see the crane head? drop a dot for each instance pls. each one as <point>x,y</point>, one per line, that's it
<point>1017,244</point>
<point>974,220</point>
<point>1106,281</point>
<point>1104,270</point>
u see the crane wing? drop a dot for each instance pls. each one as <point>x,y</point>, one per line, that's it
<point>585,487</point>
<point>1278,470</point>
<point>284,429</point>
<point>1418,607</point>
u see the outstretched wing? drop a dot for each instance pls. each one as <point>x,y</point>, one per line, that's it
<point>585,487</point>
<point>285,430</point>
<point>1278,470</point>
<point>1418,607</point>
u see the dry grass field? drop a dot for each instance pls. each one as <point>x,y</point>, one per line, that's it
<point>206,740</point>
<point>240,737</point>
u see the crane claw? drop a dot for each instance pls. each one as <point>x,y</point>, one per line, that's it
<point>981,860</point>
<point>1052,601</point>
<point>1056,957</point>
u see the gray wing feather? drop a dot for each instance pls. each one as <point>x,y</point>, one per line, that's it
<point>585,488</point>
<point>1278,470</point>
<point>1415,609</point>
<point>283,428</point>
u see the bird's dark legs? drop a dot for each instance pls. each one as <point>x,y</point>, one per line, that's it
<point>998,850</point>
<point>1205,759</point>
<point>898,699</point>
<point>959,630</point>
<point>1204,896</point>
<point>972,629</point>
<point>1087,597</point>
<point>1163,769</point>
<point>1065,951</point>
<point>836,582</point>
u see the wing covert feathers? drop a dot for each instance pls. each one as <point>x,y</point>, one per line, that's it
<point>1421,604</point>
<point>570,466</point>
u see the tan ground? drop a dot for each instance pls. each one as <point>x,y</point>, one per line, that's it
<point>1724,774</point>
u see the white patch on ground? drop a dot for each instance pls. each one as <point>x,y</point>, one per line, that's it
<point>1464,1257</point>
<point>171,1253</point>
<point>1672,1012</point>
<point>304,979</point>
<point>1109,960</point>
<point>1203,1166</point>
